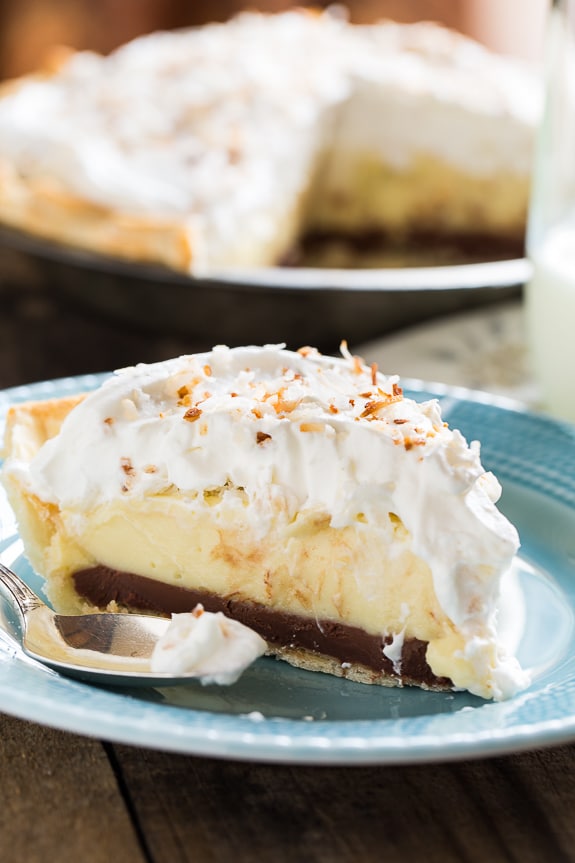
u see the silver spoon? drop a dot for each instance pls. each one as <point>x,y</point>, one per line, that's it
<point>104,648</point>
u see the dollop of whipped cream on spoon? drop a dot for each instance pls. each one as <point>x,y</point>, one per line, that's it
<point>210,646</point>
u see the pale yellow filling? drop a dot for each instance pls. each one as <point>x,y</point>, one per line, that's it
<point>360,191</point>
<point>355,574</point>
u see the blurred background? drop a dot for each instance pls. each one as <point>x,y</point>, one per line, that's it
<point>28,28</point>
<point>43,336</point>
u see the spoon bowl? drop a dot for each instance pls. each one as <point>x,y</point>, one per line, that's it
<point>105,648</point>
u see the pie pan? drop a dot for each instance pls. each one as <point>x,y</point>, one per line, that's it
<point>295,305</point>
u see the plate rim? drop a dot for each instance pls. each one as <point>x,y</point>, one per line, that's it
<point>244,740</point>
<point>272,740</point>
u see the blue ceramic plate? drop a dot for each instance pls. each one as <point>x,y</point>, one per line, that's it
<point>277,713</point>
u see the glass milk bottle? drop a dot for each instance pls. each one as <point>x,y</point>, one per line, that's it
<point>550,294</point>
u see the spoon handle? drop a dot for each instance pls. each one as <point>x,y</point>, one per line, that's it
<point>18,591</point>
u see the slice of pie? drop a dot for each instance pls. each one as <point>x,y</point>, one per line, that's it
<point>300,494</point>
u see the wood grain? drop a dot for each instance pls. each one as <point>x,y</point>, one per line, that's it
<point>59,800</point>
<point>67,798</point>
<point>517,808</point>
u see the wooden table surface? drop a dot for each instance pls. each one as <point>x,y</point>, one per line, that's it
<point>69,798</point>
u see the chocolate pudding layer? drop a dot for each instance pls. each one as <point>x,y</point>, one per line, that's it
<point>101,585</point>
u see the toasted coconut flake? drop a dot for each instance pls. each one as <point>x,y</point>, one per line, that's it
<point>312,427</point>
<point>192,414</point>
<point>127,466</point>
<point>372,407</point>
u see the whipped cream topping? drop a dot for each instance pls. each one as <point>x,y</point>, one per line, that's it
<point>208,646</point>
<point>296,431</point>
<point>194,124</point>
<point>172,121</point>
<point>446,95</point>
